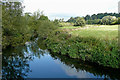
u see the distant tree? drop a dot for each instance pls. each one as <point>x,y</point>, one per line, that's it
<point>94,16</point>
<point>61,20</point>
<point>118,20</point>
<point>89,21</point>
<point>71,20</point>
<point>96,21</point>
<point>56,21</point>
<point>80,22</point>
<point>42,17</point>
<point>100,16</point>
<point>97,18</point>
<point>107,20</point>
<point>87,17</point>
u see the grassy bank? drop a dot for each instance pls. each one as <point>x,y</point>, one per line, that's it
<point>94,44</point>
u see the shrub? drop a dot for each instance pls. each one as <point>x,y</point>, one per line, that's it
<point>80,22</point>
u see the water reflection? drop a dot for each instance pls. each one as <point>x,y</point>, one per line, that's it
<point>30,61</point>
<point>15,61</point>
<point>86,69</point>
<point>72,71</point>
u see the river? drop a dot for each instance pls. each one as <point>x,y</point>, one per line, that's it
<point>31,61</point>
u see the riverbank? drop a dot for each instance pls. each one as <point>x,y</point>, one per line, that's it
<point>103,51</point>
<point>88,66</point>
<point>31,59</point>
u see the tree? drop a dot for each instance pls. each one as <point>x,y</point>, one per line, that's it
<point>108,20</point>
<point>12,25</point>
<point>118,20</point>
<point>42,17</point>
<point>87,17</point>
<point>16,30</point>
<point>71,20</point>
<point>61,20</point>
<point>80,22</point>
<point>100,16</point>
<point>94,16</point>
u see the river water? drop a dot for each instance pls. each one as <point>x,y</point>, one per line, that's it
<point>30,61</point>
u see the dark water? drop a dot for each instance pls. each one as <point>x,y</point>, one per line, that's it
<point>31,61</point>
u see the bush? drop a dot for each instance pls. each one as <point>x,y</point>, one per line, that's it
<point>80,22</point>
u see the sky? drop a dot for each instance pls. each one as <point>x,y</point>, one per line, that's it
<point>56,9</point>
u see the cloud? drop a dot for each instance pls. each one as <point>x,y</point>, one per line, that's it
<point>76,7</point>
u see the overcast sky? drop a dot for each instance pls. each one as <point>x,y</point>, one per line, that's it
<point>70,8</point>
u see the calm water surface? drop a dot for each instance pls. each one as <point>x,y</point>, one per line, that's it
<point>31,61</point>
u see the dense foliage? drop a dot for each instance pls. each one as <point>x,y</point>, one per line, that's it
<point>15,31</point>
<point>19,28</point>
<point>107,20</point>
<point>100,51</point>
<point>100,16</point>
<point>99,19</point>
<point>80,22</point>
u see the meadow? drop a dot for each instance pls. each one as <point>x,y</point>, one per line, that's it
<point>97,31</point>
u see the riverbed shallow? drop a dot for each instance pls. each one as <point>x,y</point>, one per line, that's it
<point>30,61</point>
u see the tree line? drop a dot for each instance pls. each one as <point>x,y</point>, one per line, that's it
<point>100,18</point>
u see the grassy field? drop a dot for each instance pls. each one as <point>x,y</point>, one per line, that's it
<point>97,31</point>
<point>66,24</point>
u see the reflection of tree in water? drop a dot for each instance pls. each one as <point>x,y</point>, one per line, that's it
<point>16,60</point>
<point>88,67</point>
<point>15,63</point>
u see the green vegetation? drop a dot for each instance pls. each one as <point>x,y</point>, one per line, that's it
<point>102,32</point>
<point>94,43</point>
<point>66,24</point>
<point>14,33</point>
<point>18,28</point>
<point>80,22</point>
<point>91,44</point>
<point>77,21</point>
<point>100,18</point>
<point>97,31</point>
<point>107,20</point>
<point>87,66</point>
